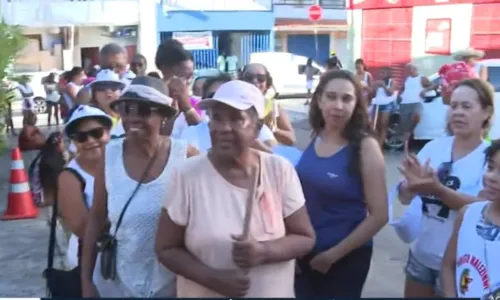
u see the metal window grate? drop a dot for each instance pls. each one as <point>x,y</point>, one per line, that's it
<point>333,4</point>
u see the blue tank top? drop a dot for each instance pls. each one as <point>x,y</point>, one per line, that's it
<point>334,197</point>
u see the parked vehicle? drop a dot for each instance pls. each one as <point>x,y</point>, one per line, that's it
<point>433,117</point>
<point>38,90</point>
<point>287,70</point>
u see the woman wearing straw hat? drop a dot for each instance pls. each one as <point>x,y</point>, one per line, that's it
<point>129,190</point>
<point>236,229</point>
<point>471,57</point>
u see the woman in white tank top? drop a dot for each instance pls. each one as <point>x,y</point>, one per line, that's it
<point>385,99</point>
<point>88,128</point>
<point>135,170</point>
<point>75,79</point>
<point>471,265</point>
<point>364,77</point>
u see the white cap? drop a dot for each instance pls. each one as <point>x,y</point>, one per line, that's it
<point>84,112</point>
<point>238,94</point>
<point>107,75</point>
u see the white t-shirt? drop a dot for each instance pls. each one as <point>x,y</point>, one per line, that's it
<point>198,136</point>
<point>437,220</point>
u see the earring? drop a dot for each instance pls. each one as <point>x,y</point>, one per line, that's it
<point>163,122</point>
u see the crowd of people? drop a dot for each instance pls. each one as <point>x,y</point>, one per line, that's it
<point>172,192</point>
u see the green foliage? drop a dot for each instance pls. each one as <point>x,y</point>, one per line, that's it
<point>12,41</point>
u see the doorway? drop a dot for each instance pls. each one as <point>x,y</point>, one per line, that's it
<point>90,57</point>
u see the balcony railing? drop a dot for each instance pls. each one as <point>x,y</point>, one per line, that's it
<point>326,4</point>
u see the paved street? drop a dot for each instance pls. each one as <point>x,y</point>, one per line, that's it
<point>23,246</point>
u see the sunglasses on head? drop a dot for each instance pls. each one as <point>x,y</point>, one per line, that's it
<point>83,136</point>
<point>249,77</point>
<point>444,171</point>
<point>137,109</point>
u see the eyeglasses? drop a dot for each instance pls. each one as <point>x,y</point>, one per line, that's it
<point>140,109</point>
<point>83,136</point>
<point>249,77</point>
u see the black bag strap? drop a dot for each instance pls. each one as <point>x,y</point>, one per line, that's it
<point>143,177</point>
<point>80,179</point>
<point>53,221</point>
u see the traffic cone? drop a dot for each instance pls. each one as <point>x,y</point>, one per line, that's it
<point>20,204</point>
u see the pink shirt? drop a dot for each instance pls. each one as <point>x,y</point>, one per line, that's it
<point>194,103</point>
<point>212,210</point>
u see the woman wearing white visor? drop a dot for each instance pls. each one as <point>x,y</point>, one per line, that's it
<point>105,89</point>
<point>88,128</point>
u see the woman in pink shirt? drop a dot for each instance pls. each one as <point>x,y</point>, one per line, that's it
<point>201,234</point>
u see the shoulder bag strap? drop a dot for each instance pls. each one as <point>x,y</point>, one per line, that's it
<point>52,236</point>
<point>143,177</point>
<point>78,176</point>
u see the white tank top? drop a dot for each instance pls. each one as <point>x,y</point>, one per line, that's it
<point>72,253</point>
<point>411,93</point>
<point>67,98</point>
<point>139,272</point>
<point>478,255</point>
<point>381,97</point>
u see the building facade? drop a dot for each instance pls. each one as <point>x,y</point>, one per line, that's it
<point>296,34</point>
<point>65,33</point>
<point>392,33</point>
<point>216,27</point>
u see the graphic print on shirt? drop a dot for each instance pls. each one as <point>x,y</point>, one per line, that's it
<point>476,265</point>
<point>487,230</point>
<point>433,207</point>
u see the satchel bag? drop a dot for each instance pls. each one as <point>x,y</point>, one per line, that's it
<point>108,243</point>
<point>62,283</point>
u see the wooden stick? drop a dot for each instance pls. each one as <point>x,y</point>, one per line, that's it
<point>250,202</point>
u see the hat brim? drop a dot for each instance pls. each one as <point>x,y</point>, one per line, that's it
<point>460,55</point>
<point>169,110</point>
<point>70,127</point>
<point>210,102</point>
<point>106,81</point>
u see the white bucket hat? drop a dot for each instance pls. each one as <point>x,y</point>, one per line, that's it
<point>107,76</point>
<point>86,112</point>
<point>469,52</point>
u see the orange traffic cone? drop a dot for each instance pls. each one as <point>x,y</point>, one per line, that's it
<point>20,204</point>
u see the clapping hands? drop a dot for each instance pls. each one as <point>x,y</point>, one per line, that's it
<point>420,178</point>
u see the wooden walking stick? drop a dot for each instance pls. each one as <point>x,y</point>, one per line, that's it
<point>254,173</point>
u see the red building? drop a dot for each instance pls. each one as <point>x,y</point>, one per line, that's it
<point>392,33</point>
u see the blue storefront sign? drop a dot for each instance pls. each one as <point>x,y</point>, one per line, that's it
<point>211,28</point>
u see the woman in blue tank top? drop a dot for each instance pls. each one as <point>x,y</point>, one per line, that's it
<point>341,172</point>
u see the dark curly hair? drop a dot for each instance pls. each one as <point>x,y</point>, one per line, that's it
<point>358,126</point>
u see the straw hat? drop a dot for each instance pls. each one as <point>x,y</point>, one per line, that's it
<point>468,53</point>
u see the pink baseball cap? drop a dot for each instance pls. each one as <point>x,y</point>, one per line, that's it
<point>238,94</point>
